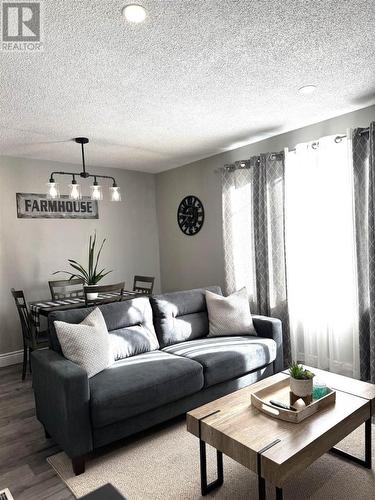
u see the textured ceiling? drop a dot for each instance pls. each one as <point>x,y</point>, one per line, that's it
<point>197,78</point>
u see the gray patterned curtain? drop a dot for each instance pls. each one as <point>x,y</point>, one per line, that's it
<point>254,239</point>
<point>364,203</point>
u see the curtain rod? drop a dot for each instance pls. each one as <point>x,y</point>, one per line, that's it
<point>315,145</point>
<point>245,163</point>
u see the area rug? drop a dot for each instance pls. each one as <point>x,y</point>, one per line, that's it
<point>164,465</point>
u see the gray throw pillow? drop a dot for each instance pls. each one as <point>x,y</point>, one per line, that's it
<point>133,340</point>
<point>86,344</point>
<point>229,315</point>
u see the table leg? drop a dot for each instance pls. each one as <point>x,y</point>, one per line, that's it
<point>261,488</point>
<point>279,493</point>
<point>367,462</point>
<point>207,488</point>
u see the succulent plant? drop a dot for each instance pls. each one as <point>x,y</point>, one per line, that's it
<point>298,372</point>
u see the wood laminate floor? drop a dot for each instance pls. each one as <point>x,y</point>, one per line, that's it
<point>23,446</point>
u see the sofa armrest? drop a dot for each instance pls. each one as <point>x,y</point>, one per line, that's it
<point>271,328</point>
<point>62,397</point>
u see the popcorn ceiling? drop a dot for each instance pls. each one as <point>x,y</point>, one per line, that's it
<point>195,79</point>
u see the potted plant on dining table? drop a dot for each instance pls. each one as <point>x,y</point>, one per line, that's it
<point>91,276</point>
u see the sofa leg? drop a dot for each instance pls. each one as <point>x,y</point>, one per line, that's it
<point>78,464</point>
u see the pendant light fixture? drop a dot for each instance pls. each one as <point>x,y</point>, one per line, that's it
<point>75,188</point>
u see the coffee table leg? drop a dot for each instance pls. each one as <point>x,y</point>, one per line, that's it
<point>367,462</point>
<point>261,488</point>
<point>207,488</point>
<point>279,493</point>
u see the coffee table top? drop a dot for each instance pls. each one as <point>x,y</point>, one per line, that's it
<point>232,425</point>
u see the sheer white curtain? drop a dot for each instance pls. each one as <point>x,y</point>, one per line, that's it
<point>238,231</point>
<point>320,255</point>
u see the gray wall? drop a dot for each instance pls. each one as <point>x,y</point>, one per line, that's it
<point>193,261</point>
<point>31,249</point>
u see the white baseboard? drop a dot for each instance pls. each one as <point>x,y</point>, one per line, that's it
<point>11,358</point>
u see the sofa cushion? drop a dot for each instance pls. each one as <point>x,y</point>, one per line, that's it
<point>135,385</point>
<point>180,316</point>
<point>117,315</point>
<point>225,358</point>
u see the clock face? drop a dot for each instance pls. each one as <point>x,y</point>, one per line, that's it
<point>190,215</point>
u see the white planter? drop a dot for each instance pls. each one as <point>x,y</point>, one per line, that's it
<point>92,295</point>
<point>301,388</point>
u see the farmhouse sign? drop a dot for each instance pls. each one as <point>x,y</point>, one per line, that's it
<point>36,206</point>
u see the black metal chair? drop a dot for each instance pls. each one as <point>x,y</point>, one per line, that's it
<point>103,289</point>
<point>31,338</point>
<point>66,289</point>
<point>143,284</point>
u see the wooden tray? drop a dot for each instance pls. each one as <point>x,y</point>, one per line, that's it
<point>280,392</point>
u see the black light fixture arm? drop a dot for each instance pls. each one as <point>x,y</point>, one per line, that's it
<point>85,175</point>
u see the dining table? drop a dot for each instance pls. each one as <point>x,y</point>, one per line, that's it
<point>42,308</point>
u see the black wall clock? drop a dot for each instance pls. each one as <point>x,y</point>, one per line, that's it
<point>190,215</point>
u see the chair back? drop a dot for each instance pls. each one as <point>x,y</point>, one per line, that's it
<point>24,314</point>
<point>111,290</point>
<point>143,284</point>
<point>66,289</point>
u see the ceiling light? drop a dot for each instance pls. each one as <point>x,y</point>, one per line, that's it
<point>96,191</point>
<point>115,193</point>
<point>307,89</point>
<point>52,190</point>
<point>134,13</point>
<point>75,188</point>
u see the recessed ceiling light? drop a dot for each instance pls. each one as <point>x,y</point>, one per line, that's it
<point>134,13</point>
<point>307,89</point>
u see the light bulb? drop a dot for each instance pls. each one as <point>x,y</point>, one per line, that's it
<point>52,191</point>
<point>96,192</point>
<point>75,191</point>
<point>115,193</point>
<point>134,13</point>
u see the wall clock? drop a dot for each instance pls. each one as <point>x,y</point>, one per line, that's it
<point>190,215</point>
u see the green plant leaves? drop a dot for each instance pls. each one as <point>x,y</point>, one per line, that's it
<point>299,372</point>
<point>89,275</point>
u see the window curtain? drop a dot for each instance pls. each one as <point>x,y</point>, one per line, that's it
<point>253,234</point>
<point>320,256</point>
<point>364,197</point>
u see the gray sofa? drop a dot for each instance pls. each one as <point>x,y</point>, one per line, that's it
<point>135,393</point>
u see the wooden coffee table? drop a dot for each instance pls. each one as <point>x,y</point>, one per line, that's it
<point>274,449</point>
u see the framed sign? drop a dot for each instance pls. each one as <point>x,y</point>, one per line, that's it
<point>36,206</point>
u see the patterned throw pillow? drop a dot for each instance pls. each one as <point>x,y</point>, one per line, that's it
<point>86,344</point>
<point>229,315</point>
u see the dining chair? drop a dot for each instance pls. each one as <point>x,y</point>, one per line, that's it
<point>66,289</point>
<point>143,284</point>
<point>32,339</point>
<point>117,288</point>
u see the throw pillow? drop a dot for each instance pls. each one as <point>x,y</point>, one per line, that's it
<point>229,315</point>
<point>132,340</point>
<point>86,344</point>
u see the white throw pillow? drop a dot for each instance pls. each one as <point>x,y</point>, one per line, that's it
<point>86,344</point>
<point>229,315</point>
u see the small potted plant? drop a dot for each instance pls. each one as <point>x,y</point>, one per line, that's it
<point>301,380</point>
<point>91,275</point>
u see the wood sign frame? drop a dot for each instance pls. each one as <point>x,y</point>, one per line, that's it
<point>36,206</point>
